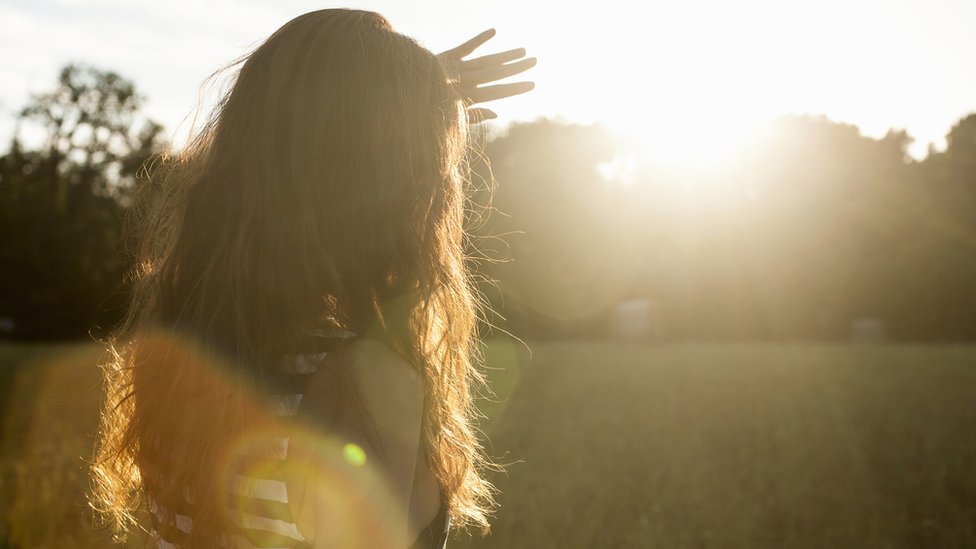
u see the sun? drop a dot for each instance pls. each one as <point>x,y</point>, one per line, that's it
<point>693,82</point>
<point>686,109</point>
<point>685,143</point>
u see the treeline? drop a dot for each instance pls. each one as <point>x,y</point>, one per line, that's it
<point>816,233</point>
<point>62,201</point>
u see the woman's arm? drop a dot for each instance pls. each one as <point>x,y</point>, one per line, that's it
<point>368,497</point>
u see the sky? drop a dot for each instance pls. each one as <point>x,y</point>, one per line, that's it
<point>690,79</point>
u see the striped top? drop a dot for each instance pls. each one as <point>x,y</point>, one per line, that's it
<point>261,511</point>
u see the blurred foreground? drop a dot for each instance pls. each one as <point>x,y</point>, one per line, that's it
<point>622,446</point>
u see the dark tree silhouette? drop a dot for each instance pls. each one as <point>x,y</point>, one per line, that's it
<point>61,205</point>
<point>817,230</point>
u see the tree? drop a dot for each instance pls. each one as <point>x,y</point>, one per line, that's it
<point>93,139</point>
<point>61,204</point>
<point>819,228</point>
<point>572,254</point>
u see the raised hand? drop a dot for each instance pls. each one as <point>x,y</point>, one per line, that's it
<point>469,75</point>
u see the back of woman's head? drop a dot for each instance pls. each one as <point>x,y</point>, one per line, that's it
<point>327,190</point>
<point>330,170</point>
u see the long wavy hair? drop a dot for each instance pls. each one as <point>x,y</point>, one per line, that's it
<point>328,189</point>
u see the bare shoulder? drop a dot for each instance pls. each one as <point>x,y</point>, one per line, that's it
<point>366,376</point>
<point>388,390</point>
<point>374,399</point>
<point>371,356</point>
<point>382,373</point>
<point>372,363</point>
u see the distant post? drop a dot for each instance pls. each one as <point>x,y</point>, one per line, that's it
<point>867,330</point>
<point>638,320</point>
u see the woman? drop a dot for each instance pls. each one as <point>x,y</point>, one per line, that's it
<point>297,363</point>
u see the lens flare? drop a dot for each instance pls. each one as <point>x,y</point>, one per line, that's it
<point>322,485</point>
<point>354,454</point>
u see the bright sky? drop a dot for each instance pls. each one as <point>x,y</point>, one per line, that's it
<point>690,75</point>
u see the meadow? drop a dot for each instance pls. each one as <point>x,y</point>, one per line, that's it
<point>619,445</point>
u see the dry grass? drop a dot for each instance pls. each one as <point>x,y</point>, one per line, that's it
<point>50,401</point>
<point>739,446</point>
<point>623,446</point>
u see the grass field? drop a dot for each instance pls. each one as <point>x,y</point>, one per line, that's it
<point>623,446</point>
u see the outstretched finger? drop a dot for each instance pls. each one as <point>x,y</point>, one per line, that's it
<point>493,59</point>
<point>471,45</point>
<point>500,91</point>
<point>496,72</point>
<point>477,115</point>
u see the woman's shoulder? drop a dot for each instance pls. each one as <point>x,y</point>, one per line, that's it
<point>373,375</point>
<point>348,344</point>
<point>391,388</point>
<point>369,397</point>
<point>372,359</point>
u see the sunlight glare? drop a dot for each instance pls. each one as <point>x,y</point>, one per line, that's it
<point>694,81</point>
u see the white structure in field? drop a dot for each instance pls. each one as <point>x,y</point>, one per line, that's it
<point>867,330</point>
<point>638,320</point>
